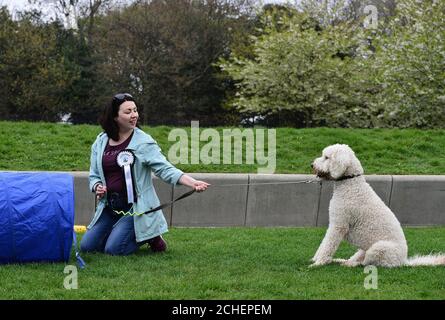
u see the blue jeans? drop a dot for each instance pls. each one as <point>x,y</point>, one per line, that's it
<point>112,234</point>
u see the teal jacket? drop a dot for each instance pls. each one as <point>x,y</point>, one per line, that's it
<point>148,159</point>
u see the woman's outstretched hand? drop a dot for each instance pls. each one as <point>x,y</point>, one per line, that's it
<point>199,186</point>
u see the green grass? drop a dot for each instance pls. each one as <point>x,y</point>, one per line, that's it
<point>231,263</point>
<point>56,147</point>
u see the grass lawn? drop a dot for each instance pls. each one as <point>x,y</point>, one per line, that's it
<point>231,263</point>
<point>56,147</point>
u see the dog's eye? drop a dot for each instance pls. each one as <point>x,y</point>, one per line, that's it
<point>326,157</point>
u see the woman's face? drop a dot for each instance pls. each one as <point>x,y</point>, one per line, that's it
<point>127,117</point>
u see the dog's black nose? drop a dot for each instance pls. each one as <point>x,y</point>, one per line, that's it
<point>312,165</point>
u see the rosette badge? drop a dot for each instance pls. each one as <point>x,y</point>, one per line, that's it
<point>125,160</point>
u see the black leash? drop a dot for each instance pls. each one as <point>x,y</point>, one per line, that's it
<point>185,195</point>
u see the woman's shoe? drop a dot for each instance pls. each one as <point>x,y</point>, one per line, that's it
<point>157,244</point>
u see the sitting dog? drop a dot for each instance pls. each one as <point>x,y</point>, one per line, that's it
<point>358,215</point>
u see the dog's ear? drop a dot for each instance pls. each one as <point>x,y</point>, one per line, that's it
<point>338,164</point>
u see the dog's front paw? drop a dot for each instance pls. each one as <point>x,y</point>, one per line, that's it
<point>316,256</point>
<point>340,261</point>
<point>347,263</point>
<point>314,265</point>
<point>351,264</point>
<point>321,262</point>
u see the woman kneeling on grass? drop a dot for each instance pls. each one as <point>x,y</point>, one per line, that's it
<point>110,231</point>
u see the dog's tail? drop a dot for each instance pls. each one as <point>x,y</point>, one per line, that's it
<point>429,260</point>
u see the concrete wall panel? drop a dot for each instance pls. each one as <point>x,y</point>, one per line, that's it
<point>284,204</point>
<point>84,199</point>
<point>419,200</point>
<point>165,194</point>
<point>416,200</point>
<point>218,206</point>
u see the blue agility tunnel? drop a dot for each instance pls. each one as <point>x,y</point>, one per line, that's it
<point>36,217</point>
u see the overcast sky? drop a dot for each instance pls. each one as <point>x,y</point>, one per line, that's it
<point>14,4</point>
<point>21,4</point>
<point>48,12</point>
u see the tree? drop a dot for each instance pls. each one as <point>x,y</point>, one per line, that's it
<point>32,71</point>
<point>326,67</point>
<point>409,65</point>
<point>164,51</point>
<point>82,99</point>
<point>302,68</point>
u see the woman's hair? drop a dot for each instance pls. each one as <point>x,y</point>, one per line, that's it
<point>106,120</point>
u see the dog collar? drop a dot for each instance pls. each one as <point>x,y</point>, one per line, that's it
<point>348,177</point>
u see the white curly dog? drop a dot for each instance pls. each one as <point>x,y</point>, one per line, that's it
<point>358,215</point>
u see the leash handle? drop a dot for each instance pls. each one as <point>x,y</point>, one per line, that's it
<point>185,195</point>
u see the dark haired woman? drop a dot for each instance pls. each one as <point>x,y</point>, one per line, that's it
<point>119,191</point>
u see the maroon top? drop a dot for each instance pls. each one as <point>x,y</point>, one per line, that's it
<point>113,173</point>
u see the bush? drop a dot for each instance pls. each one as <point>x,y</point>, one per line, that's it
<point>332,71</point>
